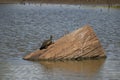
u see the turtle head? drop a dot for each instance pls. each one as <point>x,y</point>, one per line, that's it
<point>51,36</point>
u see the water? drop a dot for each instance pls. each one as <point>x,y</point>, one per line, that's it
<point>24,27</point>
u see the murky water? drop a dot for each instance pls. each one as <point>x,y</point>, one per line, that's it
<point>24,27</point>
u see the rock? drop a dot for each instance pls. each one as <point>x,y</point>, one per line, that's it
<point>79,44</point>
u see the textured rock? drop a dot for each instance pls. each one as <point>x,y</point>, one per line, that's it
<point>79,44</point>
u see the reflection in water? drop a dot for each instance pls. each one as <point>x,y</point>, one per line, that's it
<point>86,68</point>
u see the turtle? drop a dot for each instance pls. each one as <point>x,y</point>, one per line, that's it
<point>46,43</point>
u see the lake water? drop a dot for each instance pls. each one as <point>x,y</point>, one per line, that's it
<point>24,27</point>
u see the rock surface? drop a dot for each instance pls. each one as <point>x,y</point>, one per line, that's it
<point>79,44</point>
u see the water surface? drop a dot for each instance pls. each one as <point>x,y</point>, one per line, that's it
<point>24,27</point>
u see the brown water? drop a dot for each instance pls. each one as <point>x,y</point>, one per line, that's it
<point>24,27</point>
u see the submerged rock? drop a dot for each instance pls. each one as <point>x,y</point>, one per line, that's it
<point>79,44</point>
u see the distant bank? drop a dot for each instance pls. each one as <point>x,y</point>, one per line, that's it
<point>110,2</point>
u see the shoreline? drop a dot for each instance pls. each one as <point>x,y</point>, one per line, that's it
<point>77,2</point>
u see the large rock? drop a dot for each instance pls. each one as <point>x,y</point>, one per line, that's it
<point>79,44</point>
